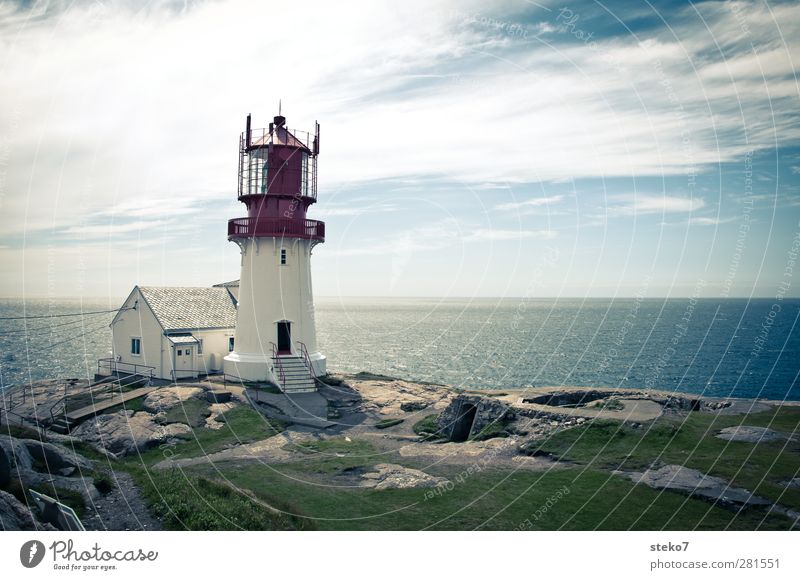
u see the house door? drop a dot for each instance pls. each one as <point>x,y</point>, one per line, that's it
<point>284,338</point>
<point>184,357</point>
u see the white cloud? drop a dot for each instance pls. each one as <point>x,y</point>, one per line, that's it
<point>638,204</point>
<point>482,235</point>
<point>535,202</point>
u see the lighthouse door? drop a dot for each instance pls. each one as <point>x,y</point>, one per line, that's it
<point>284,338</point>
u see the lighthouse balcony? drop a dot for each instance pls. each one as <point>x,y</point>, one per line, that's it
<point>276,227</point>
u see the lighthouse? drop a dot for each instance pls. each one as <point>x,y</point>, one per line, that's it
<point>275,338</point>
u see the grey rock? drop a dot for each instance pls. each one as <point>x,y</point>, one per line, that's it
<point>14,516</point>
<point>752,434</point>
<point>126,432</point>
<point>392,476</point>
<point>167,397</point>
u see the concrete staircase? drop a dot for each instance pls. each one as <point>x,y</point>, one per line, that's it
<point>296,377</point>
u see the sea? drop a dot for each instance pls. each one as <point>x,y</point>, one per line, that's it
<point>716,347</point>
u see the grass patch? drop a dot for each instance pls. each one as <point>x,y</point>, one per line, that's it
<point>386,423</point>
<point>68,497</point>
<point>690,442</point>
<point>190,502</point>
<point>103,482</point>
<point>192,411</point>
<point>428,428</point>
<point>242,425</point>
<point>595,500</point>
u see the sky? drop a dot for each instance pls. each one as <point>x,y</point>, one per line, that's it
<point>468,149</point>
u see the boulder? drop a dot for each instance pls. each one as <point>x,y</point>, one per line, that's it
<point>56,457</point>
<point>391,476</point>
<point>748,434</point>
<point>14,516</point>
<point>127,432</point>
<point>5,468</point>
<point>168,397</point>
<point>16,453</point>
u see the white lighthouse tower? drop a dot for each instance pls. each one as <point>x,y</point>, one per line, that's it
<point>275,337</point>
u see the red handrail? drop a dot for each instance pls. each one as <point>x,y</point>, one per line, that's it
<point>306,358</point>
<point>279,364</point>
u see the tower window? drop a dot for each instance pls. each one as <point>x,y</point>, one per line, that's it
<point>283,256</point>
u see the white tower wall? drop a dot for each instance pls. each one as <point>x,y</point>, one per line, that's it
<point>271,292</point>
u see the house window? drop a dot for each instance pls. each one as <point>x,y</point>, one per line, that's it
<point>283,256</point>
<point>230,344</point>
<point>180,352</point>
<point>136,346</point>
<point>200,346</point>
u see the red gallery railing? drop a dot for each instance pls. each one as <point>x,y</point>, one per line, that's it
<point>249,227</point>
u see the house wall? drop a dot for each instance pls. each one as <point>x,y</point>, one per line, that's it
<point>140,323</point>
<point>215,348</point>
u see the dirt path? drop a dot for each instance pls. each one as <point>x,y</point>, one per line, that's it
<point>122,509</point>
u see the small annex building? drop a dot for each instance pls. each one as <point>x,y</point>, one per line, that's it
<point>173,333</point>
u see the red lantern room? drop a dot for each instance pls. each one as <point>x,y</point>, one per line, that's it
<point>277,183</point>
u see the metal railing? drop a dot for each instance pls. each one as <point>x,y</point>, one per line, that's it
<point>115,366</point>
<point>306,358</point>
<point>279,365</point>
<point>278,227</point>
<point>295,178</point>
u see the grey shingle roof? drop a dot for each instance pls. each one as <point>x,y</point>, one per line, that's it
<point>231,284</point>
<point>187,308</point>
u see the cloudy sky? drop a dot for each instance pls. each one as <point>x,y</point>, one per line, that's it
<point>501,148</point>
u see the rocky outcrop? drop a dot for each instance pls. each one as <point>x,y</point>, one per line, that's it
<point>127,432</point>
<point>14,515</point>
<point>5,468</point>
<point>698,484</point>
<point>751,434</point>
<point>165,398</point>
<point>57,458</point>
<point>391,476</point>
<point>468,415</point>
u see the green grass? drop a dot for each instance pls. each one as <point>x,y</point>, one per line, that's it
<point>690,442</point>
<point>242,425</point>
<point>68,497</point>
<point>386,423</point>
<point>190,502</point>
<point>492,499</point>
<point>428,428</point>
<point>193,412</point>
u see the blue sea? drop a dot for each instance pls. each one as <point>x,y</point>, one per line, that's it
<point>728,347</point>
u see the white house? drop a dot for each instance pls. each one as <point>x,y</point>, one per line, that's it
<point>172,333</point>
